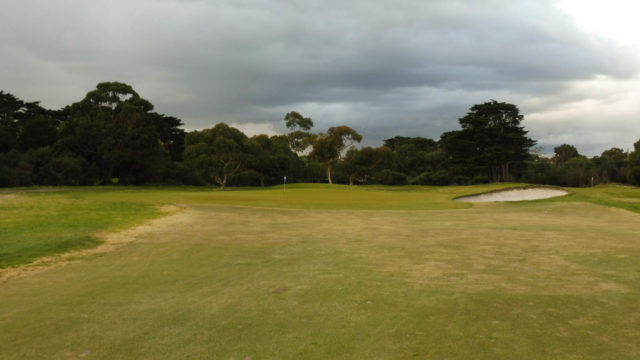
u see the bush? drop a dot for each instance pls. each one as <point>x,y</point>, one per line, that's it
<point>64,169</point>
<point>480,179</point>
<point>245,178</point>
<point>440,177</point>
<point>390,177</point>
<point>422,179</point>
<point>15,169</point>
<point>460,180</point>
<point>576,172</point>
<point>177,173</point>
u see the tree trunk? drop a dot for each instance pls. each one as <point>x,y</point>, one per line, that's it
<point>329,173</point>
<point>262,181</point>
<point>223,183</point>
<point>350,180</point>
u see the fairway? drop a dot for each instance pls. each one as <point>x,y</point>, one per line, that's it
<point>322,272</point>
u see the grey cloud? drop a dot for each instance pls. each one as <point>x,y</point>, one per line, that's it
<point>385,68</point>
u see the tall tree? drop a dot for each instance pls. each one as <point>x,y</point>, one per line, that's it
<point>217,153</point>
<point>328,148</point>
<point>563,153</point>
<point>38,131</point>
<point>633,167</point>
<point>272,158</point>
<point>112,129</point>
<point>361,164</point>
<point>170,133</point>
<point>299,135</point>
<point>612,165</point>
<point>14,113</point>
<point>491,141</point>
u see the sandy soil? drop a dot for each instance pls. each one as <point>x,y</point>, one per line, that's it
<point>515,195</point>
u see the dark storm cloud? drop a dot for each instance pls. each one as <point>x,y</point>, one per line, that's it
<point>382,67</point>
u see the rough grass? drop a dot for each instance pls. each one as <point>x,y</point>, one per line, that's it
<point>350,277</point>
<point>39,224</point>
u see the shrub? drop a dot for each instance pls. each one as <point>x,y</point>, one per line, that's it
<point>440,177</point>
<point>390,177</point>
<point>460,180</point>
<point>245,178</point>
<point>65,169</point>
<point>480,179</point>
<point>422,179</point>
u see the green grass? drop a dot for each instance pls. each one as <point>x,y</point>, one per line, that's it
<point>38,224</point>
<point>336,272</point>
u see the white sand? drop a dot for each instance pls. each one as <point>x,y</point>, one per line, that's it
<point>515,195</point>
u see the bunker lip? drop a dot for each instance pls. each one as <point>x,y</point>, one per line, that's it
<point>515,194</point>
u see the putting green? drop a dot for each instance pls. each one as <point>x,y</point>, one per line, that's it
<point>345,273</point>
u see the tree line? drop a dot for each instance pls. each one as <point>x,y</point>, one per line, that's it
<point>113,136</point>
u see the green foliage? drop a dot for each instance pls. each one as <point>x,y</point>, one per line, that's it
<point>439,177</point>
<point>14,115</point>
<point>460,180</point>
<point>247,178</point>
<point>576,172</point>
<point>361,164</point>
<point>272,159</point>
<point>299,137</point>
<point>293,120</point>
<point>390,177</point>
<point>490,141</point>
<point>65,169</point>
<point>328,148</point>
<point>113,133</point>
<point>479,179</point>
<point>564,153</point>
<point>15,169</point>
<point>419,143</point>
<point>217,153</point>
<point>113,129</point>
<point>39,131</point>
<point>540,170</point>
<point>633,168</point>
<point>612,165</point>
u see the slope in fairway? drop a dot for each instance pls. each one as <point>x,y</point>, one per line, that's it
<point>546,279</point>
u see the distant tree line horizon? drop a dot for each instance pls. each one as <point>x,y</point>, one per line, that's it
<point>113,136</point>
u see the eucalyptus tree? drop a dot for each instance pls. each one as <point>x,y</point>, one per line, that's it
<point>218,153</point>
<point>328,147</point>
<point>361,164</point>
<point>299,135</point>
<point>271,158</point>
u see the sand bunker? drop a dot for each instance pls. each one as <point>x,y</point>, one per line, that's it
<point>518,194</point>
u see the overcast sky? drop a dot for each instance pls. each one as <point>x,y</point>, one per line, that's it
<point>385,68</point>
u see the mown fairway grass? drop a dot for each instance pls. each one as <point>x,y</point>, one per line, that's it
<point>321,272</point>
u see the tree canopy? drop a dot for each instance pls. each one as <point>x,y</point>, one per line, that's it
<point>491,141</point>
<point>328,148</point>
<point>113,135</point>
